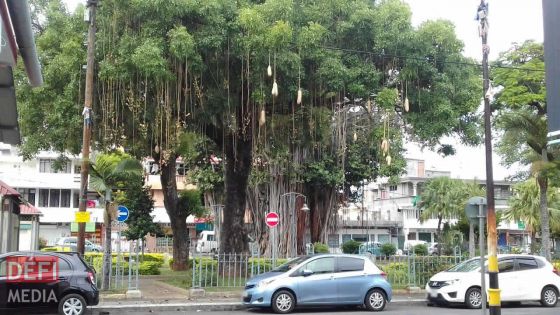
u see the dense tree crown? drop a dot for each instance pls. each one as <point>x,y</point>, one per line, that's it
<point>309,96</point>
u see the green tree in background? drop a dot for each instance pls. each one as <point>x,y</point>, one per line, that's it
<point>141,204</point>
<point>525,205</point>
<point>166,67</point>
<point>521,117</point>
<point>111,172</point>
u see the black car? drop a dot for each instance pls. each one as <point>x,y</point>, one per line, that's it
<point>42,280</point>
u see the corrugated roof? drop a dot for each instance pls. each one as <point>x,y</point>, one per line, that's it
<point>28,209</point>
<point>6,190</point>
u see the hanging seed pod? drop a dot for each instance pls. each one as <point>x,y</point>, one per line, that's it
<point>406,105</point>
<point>355,136</point>
<point>368,104</point>
<point>156,149</point>
<point>269,70</point>
<point>274,89</point>
<point>384,145</point>
<point>262,118</point>
<point>389,160</point>
<point>299,96</point>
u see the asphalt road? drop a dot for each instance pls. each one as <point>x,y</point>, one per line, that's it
<point>392,309</point>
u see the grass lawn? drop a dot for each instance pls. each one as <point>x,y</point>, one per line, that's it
<point>180,279</point>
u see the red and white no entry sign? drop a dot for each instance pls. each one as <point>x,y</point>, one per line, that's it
<point>272,219</point>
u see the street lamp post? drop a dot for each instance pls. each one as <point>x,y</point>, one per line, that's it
<point>291,247</point>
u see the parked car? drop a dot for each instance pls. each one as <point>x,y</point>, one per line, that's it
<point>73,241</point>
<point>207,242</point>
<point>521,278</point>
<point>320,280</point>
<point>373,248</point>
<point>433,249</point>
<point>71,289</point>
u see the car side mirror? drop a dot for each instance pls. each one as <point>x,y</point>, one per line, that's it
<point>306,273</point>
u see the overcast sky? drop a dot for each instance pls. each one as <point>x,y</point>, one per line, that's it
<point>510,21</point>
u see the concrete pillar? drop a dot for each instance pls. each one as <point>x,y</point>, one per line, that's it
<point>9,231</point>
<point>414,188</point>
<point>35,233</point>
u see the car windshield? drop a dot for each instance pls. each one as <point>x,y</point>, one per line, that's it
<point>290,264</point>
<point>466,266</point>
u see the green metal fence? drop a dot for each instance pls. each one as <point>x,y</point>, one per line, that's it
<point>233,270</point>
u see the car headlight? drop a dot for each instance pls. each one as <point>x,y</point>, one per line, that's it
<point>264,283</point>
<point>450,282</point>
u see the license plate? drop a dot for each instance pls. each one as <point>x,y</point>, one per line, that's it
<point>245,294</point>
<point>433,294</point>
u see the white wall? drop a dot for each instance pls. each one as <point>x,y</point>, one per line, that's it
<point>51,232</point>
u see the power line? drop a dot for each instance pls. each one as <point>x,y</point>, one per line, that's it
<point>392,56</point>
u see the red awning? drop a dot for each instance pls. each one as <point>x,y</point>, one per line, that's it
<point>28,209</point>
<point>6,190</point>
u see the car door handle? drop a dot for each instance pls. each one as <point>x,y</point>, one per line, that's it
<point>62,278</point>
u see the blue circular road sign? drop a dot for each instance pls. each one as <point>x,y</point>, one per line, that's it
<point>122,213</point>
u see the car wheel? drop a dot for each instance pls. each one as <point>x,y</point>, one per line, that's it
<point>549,297</point>
<point>72,304</point>
<point>375,300</point>
<point>283,302</point>
<point>473,298</point>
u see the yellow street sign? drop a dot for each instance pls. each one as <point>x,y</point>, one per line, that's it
<point>82,217</point>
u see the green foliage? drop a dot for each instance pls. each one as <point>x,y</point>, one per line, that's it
<point>444,198</point>
<point>141,204</point>
<point>421,250</point>
<point>524,205</point>
<point>320,248</point>
<point>351,247</point>
<point>388,249</point>
<point>190,203</point>
<point>397,273</point>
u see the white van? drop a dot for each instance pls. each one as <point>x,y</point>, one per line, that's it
<point>207,242</point>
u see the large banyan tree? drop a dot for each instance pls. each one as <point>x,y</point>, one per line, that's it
<point>298,95</point>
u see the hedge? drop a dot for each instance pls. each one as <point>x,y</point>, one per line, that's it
<point>145,267</point>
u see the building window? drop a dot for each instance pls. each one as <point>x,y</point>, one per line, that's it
<point>76,198</point>
<point>43,197</point>
<point>65,198</point>
<point>393,188</point>
<point>346,238</point>
<point>54,200</point>
<point>47,166</point>
<point>28,194</point>
<point>181,169</point>
<point>77,169</point>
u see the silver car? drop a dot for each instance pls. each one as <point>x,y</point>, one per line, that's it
<point>320,280</point>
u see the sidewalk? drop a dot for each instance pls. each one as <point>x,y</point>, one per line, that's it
<point>159,296</point>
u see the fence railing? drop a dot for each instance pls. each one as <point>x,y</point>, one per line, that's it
<point>233,270</point>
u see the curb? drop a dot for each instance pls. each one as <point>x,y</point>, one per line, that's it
<point>215,306</point>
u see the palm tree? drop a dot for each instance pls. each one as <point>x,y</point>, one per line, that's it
<point>110,172</point>
<point>442,198</point>
<point>525,205</point>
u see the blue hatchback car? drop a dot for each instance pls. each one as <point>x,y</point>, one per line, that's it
<point>320,280</point>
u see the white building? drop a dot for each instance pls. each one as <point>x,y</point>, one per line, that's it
<point>54,193</point>
<point>389,213</point>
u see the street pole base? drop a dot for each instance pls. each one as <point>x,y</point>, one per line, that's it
<point>133,294</point>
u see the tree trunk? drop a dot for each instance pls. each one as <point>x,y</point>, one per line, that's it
<point>177,219</point>
<point>238,163</point>
<point>545,221</point>
<point>180,243</point>
<point>439,234</point>
<point>107,257</point>
<point>472,251</point>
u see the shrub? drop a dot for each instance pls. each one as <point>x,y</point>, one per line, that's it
<point>397,273</point>
<point>320,248</point>
<point>149,268</point>
<point>421,250</point>
<point>388,249</point>
<point>351,247</point>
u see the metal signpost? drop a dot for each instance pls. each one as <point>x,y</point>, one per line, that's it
<point>272,219</point>
<point>476,213</point>
<point>122,216</point>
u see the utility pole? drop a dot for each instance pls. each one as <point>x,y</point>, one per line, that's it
<point>88,118</point>
<point>493,290</point>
